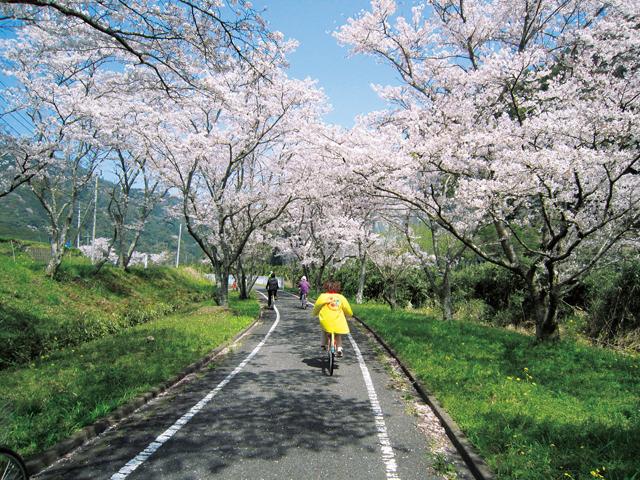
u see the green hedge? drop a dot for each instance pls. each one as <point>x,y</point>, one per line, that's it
<point>502,293</point>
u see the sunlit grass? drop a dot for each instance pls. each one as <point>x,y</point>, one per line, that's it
<point>534,411</point>
<point>47,400</point>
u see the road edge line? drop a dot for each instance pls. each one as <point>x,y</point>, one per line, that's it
<point>384,442</point>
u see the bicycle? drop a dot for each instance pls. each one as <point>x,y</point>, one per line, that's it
<point>303,301</point>
<point>331,352</point>
<point>12,466</point>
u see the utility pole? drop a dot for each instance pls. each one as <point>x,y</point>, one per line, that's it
<point>179,238</point>
<point>95,214</point>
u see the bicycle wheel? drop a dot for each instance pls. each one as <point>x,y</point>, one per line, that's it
<point>11,466</point>
<point>331,354</point>
<point>331,358</point>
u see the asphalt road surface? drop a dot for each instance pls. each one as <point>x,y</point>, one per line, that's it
<point>267,410</point>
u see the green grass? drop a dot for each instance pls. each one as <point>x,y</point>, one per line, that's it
<point>49,399</point>
<point>39,315</point>
<point>534,411</point>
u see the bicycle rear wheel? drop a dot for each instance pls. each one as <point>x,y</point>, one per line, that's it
<point>331,354</point>
<point>11,466</point>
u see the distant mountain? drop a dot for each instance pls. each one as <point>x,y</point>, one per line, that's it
<point>22,217</point>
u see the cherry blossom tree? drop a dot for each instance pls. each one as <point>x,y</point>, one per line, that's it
<point>124,118</point>
<point>332,222</point>
<point>135,183</point>
<point>60,111</point>
<point>100,250</point>
<point>513,117</point>
<point>57,189</point>
<point>20,160</point>
<point>166,45</point>
<point>170,43</point>
<point>232,155</point>
<point>433,248</point>
<point>320,236</point>
<point>393,261</point>
<point>252,262</point>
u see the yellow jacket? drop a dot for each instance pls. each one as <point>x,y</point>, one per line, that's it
<point>331,309</point>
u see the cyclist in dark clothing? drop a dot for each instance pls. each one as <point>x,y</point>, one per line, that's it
<point>272,289</point>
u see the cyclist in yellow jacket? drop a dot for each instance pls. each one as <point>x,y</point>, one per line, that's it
<point>332,309</point>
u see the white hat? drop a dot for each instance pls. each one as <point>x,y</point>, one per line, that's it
<point>303,278</point>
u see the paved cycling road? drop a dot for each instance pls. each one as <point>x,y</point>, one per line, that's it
<point>266,411</point>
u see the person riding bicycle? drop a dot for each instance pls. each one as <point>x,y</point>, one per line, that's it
<point>272,289</point>
<point>304,287</point>
<point>332,309</point>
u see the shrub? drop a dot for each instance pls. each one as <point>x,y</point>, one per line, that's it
<point>502,292</point>
<point>613,299</point>
<point>412,287</point>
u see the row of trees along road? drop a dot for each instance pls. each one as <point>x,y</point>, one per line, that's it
<point>512,136</point>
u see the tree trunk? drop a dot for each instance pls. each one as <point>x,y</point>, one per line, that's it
<point>318,280</point>
<point>390,299</point>
<point>123,261</point>
<point>241,281</point>
<point>389,295</point>
<point>361,279</point>
<point>545,307</point>
<point>57,253</point>
<point>546,318</point>
<point>222,297</point>
<point>244,293</point>
<point>445,296</point>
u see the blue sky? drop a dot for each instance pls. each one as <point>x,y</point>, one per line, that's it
<point>346,81</point>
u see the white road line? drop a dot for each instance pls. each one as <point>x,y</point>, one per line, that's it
<point>139,459</point>
<point>388,457</point>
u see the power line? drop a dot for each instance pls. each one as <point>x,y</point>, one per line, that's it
<point>28,126</point>
<point>10,126</point>
<point>17,115</point>
<point>16,120</point>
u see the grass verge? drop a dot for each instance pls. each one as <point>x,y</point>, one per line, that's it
<point>49,399</point>
<point>561,410</point>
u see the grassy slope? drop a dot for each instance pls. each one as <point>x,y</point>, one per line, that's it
<point>561,410</point>
<point>39,315</point>
<point>62,392</point>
